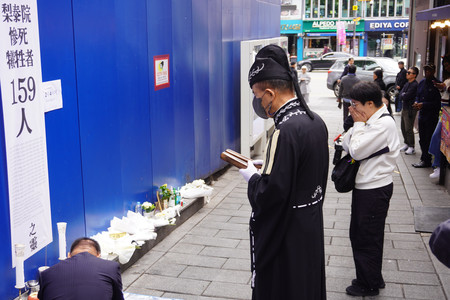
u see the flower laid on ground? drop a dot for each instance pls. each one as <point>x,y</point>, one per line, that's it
<point>165,192</point>
<point>148,207</point>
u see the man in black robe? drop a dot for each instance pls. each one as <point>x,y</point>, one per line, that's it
<point>286,224</point>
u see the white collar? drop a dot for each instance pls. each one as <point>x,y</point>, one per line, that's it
<point>376,115</point>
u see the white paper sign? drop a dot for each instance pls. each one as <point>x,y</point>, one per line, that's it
<point>52,95</point>
<point>24,123</point>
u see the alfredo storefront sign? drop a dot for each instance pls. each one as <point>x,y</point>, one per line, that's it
<point>329,25</point>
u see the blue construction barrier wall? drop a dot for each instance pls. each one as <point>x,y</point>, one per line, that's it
<point>117,139</point>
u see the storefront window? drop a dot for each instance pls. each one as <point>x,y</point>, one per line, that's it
<point>376,9</point>
<point>380,44</point>
<point>314,46</point>
<point>337,8</point>
<point>329,9</point>
<point>291,8</point>
<point>399,12</point>
<point>291,44</point>
<point>383,8</point>
<point>391,8</point>
<point>360,10</point>
<point>368,10</point>
<point>351,12</point>
<point>406,14</point>
<point>307,9</point>
<point>417,58</point>
<point>345,8</point>
<point>322,9</point>
<point>315,8</point>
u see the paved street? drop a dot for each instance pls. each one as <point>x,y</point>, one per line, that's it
<point>208,256</point>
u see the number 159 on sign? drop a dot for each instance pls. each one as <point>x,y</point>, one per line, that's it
<point>23,89</point>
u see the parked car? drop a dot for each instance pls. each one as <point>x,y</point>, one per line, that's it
<point>365,67</point>
<point>323,62</point>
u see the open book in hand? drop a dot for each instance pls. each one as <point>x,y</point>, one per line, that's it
<point>236,159</point>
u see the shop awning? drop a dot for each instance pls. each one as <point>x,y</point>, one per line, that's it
<point>437,13</point>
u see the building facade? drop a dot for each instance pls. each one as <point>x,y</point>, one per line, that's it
<point>373,28</point>
<point>430,37</point>
<point>387,38</point>
<point>429,42</point>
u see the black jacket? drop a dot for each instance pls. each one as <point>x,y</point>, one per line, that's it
<point>345,72</point>
<point>408,94</point>
<point>430,96</point>
<point>347,83</point>
<point>381,84</point>
<point>401,80</point>
<point>82,276</point>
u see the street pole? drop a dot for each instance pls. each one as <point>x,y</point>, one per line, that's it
<point>354,32</point>
<point>403,43</point>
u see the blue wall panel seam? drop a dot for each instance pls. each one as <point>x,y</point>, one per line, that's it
<point>193,79</point>
<point>78,115</point>
<point>151,198</point>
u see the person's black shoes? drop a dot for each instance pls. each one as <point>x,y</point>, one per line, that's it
<point>356,290</point>
<point>382,285</point>
<point>421,164</point>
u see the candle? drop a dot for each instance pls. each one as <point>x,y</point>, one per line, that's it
<point>20,277</point>
<point>62,239</point>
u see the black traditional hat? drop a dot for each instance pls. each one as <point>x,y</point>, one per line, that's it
<point>440,242</point>
<point>271,63</point>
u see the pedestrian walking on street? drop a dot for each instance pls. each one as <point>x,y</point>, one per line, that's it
<point>303,81</point>
<point>400,81</point>
<point>345,87</point>
<point>428,103</point>
<point>286,223</point>
<point>350,62</point>
<point>408,96</point>
<point>374,130</point>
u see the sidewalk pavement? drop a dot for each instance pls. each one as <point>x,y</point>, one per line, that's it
<point>208,256</point>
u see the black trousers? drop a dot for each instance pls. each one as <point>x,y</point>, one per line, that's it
<point>369,210</point>
<point>398,103</point>
<point>426,130</point>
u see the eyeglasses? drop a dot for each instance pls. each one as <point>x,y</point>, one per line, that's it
<point>409,73</point>
<point>354,104</point>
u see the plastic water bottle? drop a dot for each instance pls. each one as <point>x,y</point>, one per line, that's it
<point>172,199</point>
<point>138,208</point>
<point>177,197</point>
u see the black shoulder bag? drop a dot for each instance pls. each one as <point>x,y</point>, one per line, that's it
<point>344,172</point>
